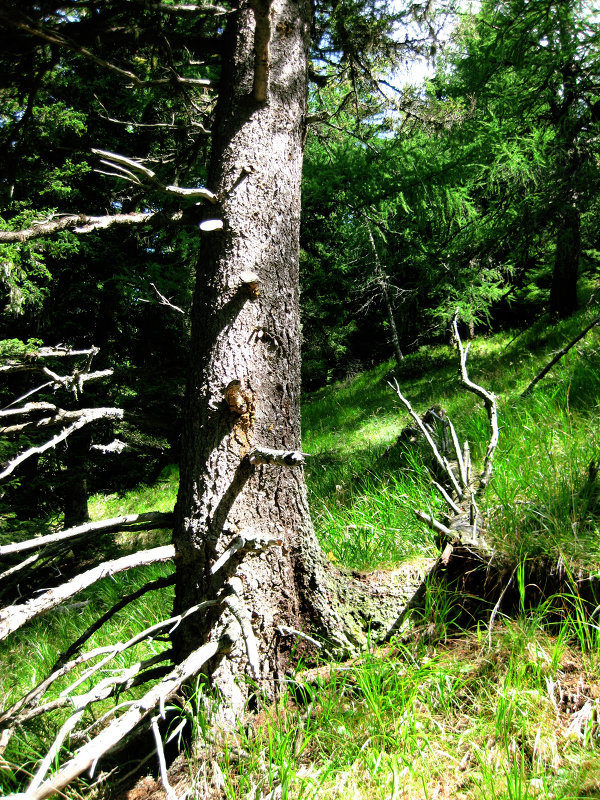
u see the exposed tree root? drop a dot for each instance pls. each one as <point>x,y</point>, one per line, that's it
<point>479,585</point>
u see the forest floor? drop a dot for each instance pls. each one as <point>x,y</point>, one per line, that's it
<point>510,710</point>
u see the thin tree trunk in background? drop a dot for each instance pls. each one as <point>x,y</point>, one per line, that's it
<point>563,293</point>
<point>383,282</point>
<point>75,491</point>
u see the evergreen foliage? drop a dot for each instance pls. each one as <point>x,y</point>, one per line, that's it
<point>477,191</point>
<point>482,188</point>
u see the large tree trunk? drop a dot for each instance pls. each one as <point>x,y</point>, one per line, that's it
<point>563,293</point>
<point>251,336</point>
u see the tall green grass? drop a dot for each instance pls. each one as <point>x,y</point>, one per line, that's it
<point>508,712</point>
<point>541,499</point>
<point>511,713</point>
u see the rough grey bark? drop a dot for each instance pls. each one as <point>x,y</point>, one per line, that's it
<point>244,385</point>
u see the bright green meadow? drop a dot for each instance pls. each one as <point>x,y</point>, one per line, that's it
<point>510,712</point>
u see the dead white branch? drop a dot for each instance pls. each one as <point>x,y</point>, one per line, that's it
<point>59,416</point>
<point>14,617</point>
<point>134,170</point>
<point>18,567</point>
<point>83,223</point>
<point>489,400</point>
<point>76,380</point>
<point>433,523</point>
<point>467,461</point>
<point>113,733</point>
<point>116,446</point>
<point>28,410</point>
<point>89,415</point>
<point>109,685</point>
<point>442,461</point>
<point>135,675</point>
<point>28,394</point>
<point>164,775</point>
<point>459,456</point>
<point>173,125</point>
<point>14,713</point>
<point>23,711</point>
<point>28,708</point>
<point>287,631</point>
<point>54,750</point>
<point>164,301</point>
<point>137,522</point>
<point>65,352</point>
<point>120,647</point>
<point>447,498</point>
<point>19,713</point>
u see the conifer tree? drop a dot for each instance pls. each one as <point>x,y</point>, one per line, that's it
<point>527,74</point>
<point>245,551</point>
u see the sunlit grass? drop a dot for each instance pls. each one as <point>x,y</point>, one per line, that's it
<point>159,496</point>
<point>541,499</point>
<point>509,713</point>
<point>469,717</point>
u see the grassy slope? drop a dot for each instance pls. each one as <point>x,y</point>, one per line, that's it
<point>538,500</point>
<point>512,713</point>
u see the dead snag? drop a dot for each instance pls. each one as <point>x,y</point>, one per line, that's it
<point>458,483</point>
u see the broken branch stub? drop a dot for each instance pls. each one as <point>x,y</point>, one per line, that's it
<point>246,542</point>
<point>251,281</point>
<point>283,458</point>
<point>210,225</point>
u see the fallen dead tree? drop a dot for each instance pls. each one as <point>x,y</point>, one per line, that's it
<point>479,580</point>
<point>459,483</point>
